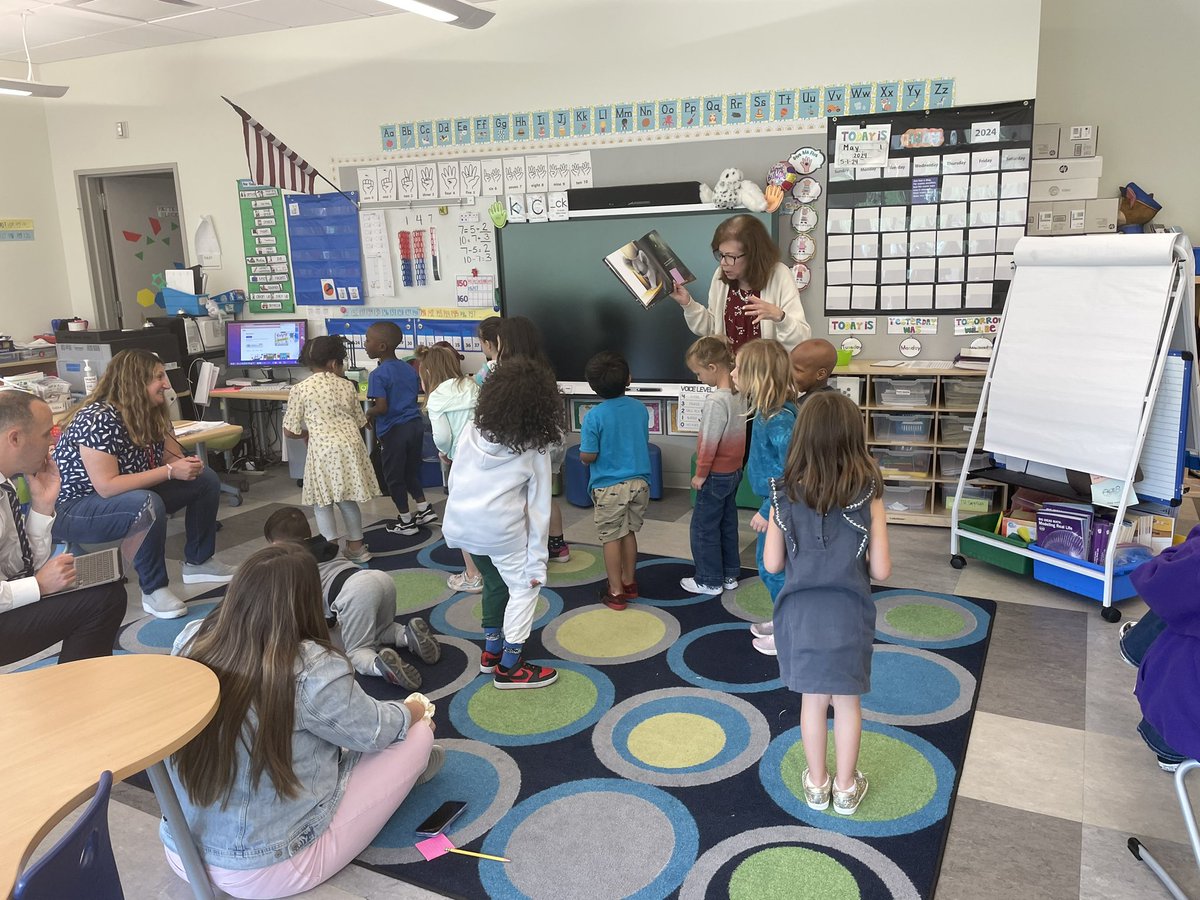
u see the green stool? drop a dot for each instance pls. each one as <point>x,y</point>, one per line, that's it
<point>745,497</point>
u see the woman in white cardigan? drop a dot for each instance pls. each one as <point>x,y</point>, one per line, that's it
<point>752,294</point>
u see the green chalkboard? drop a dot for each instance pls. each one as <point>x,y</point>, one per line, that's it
<point>554,273</point>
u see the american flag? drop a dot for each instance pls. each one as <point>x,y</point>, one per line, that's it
<point>271,161</point>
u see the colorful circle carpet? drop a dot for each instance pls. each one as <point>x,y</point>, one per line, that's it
<point>666,761</point>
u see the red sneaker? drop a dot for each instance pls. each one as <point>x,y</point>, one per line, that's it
<point>614,601</point>
<point>523,675</point>
<point>630,590</point>
<point>488,662</point>
<point>559,554</point>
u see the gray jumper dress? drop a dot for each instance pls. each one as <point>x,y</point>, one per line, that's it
<point>824,615</point>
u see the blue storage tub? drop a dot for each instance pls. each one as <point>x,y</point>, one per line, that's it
<point>1081,584</point>
<point>176,301</point>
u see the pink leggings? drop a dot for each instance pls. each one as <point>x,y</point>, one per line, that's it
<point>378,785</point>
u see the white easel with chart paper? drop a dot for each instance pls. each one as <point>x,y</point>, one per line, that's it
<point>1092,372</point>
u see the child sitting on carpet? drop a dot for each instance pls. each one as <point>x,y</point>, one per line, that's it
<point>498,509</point>
<point>362,602</point>
<point>828,534</point>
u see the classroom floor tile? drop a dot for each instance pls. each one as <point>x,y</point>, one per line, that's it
<point>1107,868</point>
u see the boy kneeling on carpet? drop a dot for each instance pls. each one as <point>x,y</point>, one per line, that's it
<point>362,602</point>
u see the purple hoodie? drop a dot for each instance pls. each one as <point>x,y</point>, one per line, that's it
<point>1168,682</point>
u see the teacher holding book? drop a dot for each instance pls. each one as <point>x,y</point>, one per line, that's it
<point>752,295</point>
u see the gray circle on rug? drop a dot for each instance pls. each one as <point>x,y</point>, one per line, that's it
<point>509,774</point>
<point>597,831</point>
<point>696,885</point>
<point>469,674</point>
<point>884,604</point>
<point>671,632</point>
<point>961,706</point>
<point>759,740</point>
<point>464,613</point>
<point>729,600</point>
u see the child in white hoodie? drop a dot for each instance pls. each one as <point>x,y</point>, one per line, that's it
<point>450,399</point>
<point>499,509</point>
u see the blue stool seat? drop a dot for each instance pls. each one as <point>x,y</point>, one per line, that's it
<point>575,477</point>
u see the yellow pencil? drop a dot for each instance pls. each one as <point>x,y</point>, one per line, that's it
<point>480,855</point>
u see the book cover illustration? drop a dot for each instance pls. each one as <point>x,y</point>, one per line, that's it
<point>648,268</point>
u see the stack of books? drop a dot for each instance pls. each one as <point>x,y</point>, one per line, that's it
<point>976,358</point>
<point>1066,528</point>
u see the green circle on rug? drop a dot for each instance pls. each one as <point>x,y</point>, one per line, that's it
<point>924,620</point>
<point>418,589</point>
<point>534,712</point>
<point>584,565</point>
<point>676,740</point>
<point>606,634</point>
<point>795,873</point>
<point>755,600</point>
<point>900,780</point>
<point>540,608</point>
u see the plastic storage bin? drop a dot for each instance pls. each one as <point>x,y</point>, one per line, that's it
<point>902,427</point>
<point>1012,562</point>
<point>964,392</point>
<point>1048,573</point>
<point>176,301</point>
<point>903,391</point>
<point>907,497</point>
<point>911,461</point>
<point>975,498</point>
<point>950,462</point>
<point>955,428</point>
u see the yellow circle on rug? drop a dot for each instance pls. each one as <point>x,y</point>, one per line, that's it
<point>676,740</point>
<point>603,632</point>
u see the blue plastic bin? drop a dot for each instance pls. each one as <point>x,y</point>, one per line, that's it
<point>1081,584</point>
<point>575,477</point>
<point>176,301</point>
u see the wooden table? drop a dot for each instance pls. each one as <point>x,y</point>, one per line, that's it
<point>61,726</point>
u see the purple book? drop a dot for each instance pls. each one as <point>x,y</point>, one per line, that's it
<point>1101,532</point>
<point>1064,531</point>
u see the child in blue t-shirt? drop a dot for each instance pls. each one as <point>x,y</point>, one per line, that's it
<point>615,445</point>
<point>392,390</point>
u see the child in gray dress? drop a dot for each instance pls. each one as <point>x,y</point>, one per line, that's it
<point>828,535</point>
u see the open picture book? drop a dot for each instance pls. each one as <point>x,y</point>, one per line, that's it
<point>648,268</point>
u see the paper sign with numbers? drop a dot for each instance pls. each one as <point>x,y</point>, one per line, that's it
<point>475,290</point>
<point>691,405</point>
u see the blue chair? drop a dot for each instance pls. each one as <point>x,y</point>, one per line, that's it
<point>81,864</point>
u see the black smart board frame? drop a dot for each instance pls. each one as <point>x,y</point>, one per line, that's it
<point>554,274</point>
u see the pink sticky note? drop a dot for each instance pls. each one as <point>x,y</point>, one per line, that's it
<point>432,848</point>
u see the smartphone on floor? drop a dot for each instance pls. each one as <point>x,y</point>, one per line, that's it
<point>442,817</point>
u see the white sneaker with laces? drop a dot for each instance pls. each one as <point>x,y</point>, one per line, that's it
<point>730,584</point>
<point>459,581</point>
<point>694,587</point>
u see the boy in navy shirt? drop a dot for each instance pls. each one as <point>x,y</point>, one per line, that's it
<point>392,390</point>
<point>615,445</point>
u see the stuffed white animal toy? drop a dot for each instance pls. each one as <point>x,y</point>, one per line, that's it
<point>732,191</point>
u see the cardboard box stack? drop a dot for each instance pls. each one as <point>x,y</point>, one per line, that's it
<point>1064,184</point>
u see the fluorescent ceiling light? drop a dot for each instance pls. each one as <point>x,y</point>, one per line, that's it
<point>453,12</point>
<point>28,87</point>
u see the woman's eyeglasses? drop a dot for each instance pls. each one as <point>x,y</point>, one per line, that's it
<point>729,258</point>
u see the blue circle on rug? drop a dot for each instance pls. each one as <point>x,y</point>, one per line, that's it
<point>906,685</point>
<point>676,660</point>
<point>685,839</point>
<point>684,599</point>
<point>151,635</point>
<point>462,775</point>
<point>440,615</point>
<point>461,718</point>
<point>972,635</point>
<point>426,554</point>
<point>770,772</point>
<point>733,727</point>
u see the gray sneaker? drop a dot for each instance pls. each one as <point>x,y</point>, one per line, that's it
<point>163,604</point>
<point>846,802</point>
<point>420,640</point>
<point>437,759</point>
<point>816,797</point>
<point>394,670</point>
<point>208,572</point>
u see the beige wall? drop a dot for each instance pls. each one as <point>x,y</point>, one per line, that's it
<point>326,90</point>
<point>1132,69</point>
<point>33,282</point>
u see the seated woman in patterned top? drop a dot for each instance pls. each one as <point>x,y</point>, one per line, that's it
<point>122,469</point>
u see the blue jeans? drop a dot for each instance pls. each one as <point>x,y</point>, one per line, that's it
<point>96,519</point>
<point>715,529</point>
<point>1137,640</point>
<point>773,580</point>
<point>1158,743</point>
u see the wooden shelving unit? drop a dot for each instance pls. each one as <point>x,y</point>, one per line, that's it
<point>945,417</point>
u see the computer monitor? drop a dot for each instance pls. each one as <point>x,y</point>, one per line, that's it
<point>263,344</point>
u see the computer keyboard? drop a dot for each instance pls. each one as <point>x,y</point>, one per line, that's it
<point>273,386</point>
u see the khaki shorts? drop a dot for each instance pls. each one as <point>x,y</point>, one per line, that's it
<point>620,508</point>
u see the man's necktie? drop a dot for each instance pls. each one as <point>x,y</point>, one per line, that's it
<point>19,520</point>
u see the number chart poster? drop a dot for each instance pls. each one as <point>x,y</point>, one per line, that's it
<point>264,238</point>
<point>923,209</point>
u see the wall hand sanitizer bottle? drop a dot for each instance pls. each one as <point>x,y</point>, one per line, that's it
<point>89,377</point>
